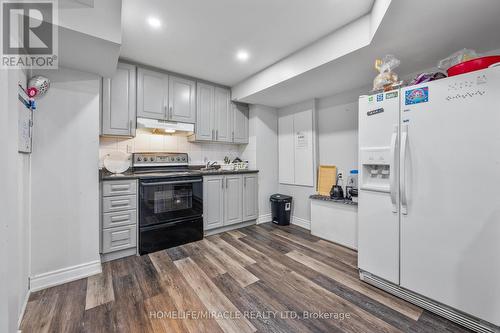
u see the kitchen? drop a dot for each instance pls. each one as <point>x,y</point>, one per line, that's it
<point>138,173</point>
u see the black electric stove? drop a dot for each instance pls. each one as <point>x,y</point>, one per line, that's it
<point>170,201</point>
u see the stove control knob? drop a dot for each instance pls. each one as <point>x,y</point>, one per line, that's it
<point>177,159</point>
<point>183,158</point>
<point>151,159</point>
<point>139,159</point>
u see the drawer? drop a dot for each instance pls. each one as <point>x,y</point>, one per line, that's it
<point>119,238</point>
<point>119,203</point>
<point>118,219</point>
<point>119,187</point>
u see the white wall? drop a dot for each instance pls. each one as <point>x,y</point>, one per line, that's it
<point>14,205</point>
<point>338,135</point>
<point>65,211</point>
<point>264,146</point>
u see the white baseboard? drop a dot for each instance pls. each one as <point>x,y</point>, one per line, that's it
<point>23,308</point>
<point>68,274</point>
<point>303,223</point>
<point>264,218</point>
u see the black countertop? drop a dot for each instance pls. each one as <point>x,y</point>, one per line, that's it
<point>106,175</point>
<point>327,198</point>
<point>225,172</point>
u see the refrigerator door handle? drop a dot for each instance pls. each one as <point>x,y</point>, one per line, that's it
<point>404,144</point>
<point>393,173</point>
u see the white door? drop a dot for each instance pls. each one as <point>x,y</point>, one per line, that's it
<point>213,202</point>
<point>182,99</point>
<point>450,173</point>
<point>152,94</point>
<point>223,116</point>
<point>378,216</point>
<point>233,199</point>
<point>250,197</point>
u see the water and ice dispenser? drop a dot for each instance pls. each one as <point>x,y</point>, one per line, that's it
<point>376,169</point>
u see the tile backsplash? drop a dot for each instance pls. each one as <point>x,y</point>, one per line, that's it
<point>144,141</point>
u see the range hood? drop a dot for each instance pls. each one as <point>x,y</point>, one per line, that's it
<point>165,126</point>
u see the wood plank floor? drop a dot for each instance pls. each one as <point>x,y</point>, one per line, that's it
<point>261,278</point>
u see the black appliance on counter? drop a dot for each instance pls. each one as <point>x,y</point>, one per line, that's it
<point>170,201</point>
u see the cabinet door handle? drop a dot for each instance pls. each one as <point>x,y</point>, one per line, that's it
<point>245,181</point>
<point>213,135</point>
<point>233,136</point>
<point>216,135</point>
<point>170,112</point>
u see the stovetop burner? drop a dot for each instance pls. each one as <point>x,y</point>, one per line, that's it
<point>161,165</point>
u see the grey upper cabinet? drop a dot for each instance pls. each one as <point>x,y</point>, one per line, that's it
<point>213,202</point>
<point>152,94</point>
<point>223,115</point>
<point>182,100</point>
<point>213,114</point>
<point>205,112</point>
<point>250,196</point>
<point>233,199</point>
<point>119,102</point>
<point>240,123</point>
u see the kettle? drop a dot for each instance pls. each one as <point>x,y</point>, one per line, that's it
<point>337,192</point>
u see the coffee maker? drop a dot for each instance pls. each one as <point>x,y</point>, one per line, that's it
<point>352,186</point>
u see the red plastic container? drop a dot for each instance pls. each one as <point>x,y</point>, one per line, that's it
<point>473,65</point>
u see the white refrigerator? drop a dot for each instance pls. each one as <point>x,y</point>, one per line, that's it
<point>431,226</point>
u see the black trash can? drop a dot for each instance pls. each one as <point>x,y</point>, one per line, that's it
<point>281,207</point>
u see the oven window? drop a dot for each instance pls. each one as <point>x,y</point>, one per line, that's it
<point>172,200</point>
<point>164,202</point>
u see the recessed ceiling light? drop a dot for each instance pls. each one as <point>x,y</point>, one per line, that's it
<point>242,55</point>
<point>154,22</point>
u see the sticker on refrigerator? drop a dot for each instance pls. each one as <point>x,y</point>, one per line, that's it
<point>373,112</point>
<point>390,95</point>
<point>370,99</point>
<point>380,97</point>
<point>416,96</point>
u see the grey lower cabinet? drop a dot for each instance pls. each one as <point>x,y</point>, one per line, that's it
<point>118,230</point>
<point>250,196</point>
<point>118,109</point>
<point>233,199</point>
<point>213,202</point>
<point>224,199</point>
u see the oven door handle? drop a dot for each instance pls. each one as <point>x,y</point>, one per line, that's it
<point>173,182</point>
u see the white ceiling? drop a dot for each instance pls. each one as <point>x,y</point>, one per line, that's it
<point>200,38</point>
<point>420,33</point>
